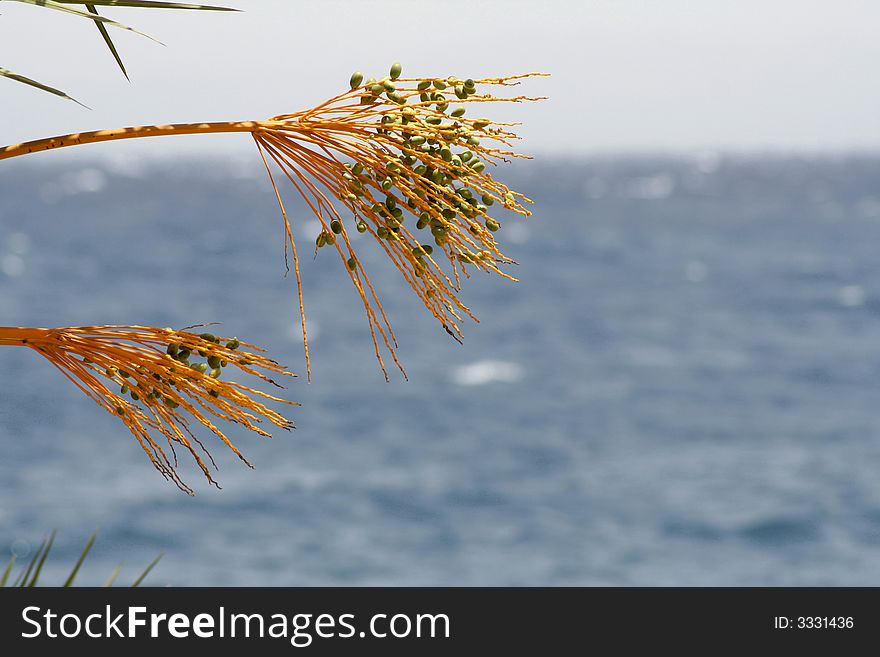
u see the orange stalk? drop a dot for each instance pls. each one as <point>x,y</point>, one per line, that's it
<point>372,158</point>
<point>135,132</point>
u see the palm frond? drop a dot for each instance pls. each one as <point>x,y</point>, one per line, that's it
<point>92,7</point>
<point>378,153</point>
<point>112,578</point>
<point>47,547</point>
<point>24,576</point>
<point>159,390</point>
<point>149,4</point>
<point>91,12</point>
<point>79,562</point>
<point>30,575</point>
<point>7,571</point>
<point>102,30</point>
<point>6,73</point>
<point>65,7</point>
<point>146,572</point>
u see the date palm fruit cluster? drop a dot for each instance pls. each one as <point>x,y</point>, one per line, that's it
<point>412,166</point>
<point>212,367</point>
<point>166,380</point>
<point>423,153</point>
<point>213,364</point>
<point>404,162</point>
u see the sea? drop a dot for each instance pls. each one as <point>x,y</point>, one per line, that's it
<point>683,388</point>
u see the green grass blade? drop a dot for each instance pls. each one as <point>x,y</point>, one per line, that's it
<point>140,579</point>
<point>149,4</point>
<point>7,571</point>
<point>113,576</point>
<point>23,576</point>
<point>106,36</point>
<point>42,561</point>
<point>82,558</point>
<point>6,73</point>
<point>60,6</point>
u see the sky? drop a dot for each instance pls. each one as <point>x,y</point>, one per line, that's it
<point>627,75</point>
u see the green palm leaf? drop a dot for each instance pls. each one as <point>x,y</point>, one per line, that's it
<point>113,576</point>
<point>6,73</point>
<point>146,572</point>
<point>65,7</point>
<point>30,576</point>
<point>79,562</point>
<point>149,4</point>
<point>101,22</point>
<point>91,6</point>
<point>24,578</point>
<point>106,36</point>
<point>42,561</point>
<point>5,577</point>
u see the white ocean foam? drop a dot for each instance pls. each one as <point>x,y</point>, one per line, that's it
<point>12,265</point>
<point>312,330</point>
<point>651,188</point>
<point>482,372</point>
<point>125,164</point>
<point>85,181</point>
<point>851,296</point>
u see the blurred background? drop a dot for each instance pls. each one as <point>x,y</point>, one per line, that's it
<point>682,389</point>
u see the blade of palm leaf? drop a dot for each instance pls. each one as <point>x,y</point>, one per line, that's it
<point>39,569</point>
<point>7,571</point>
<point>149,4</point>
<point>113,576</point>
<point>6,73</point>
<point>81,559</point>
<point>140,579</point>
<point>59,6</point>
<point>106,36</point>
<point>23,576</point>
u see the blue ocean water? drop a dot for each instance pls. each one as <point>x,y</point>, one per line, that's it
<point>683,389</point>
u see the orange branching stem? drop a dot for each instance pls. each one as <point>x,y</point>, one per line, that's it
<point>373,156</point>
<point>143,376</point>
